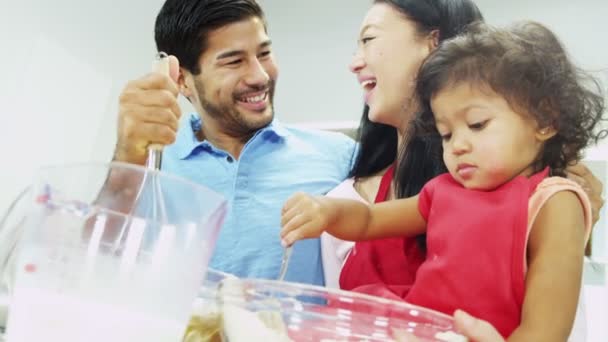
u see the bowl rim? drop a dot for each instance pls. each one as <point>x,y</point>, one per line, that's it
<point>307,289</point>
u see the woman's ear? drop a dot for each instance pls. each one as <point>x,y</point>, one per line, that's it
<point>545,133</point>
<point>434,40</point>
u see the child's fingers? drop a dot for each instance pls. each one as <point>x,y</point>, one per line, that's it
<point>295,205</point>
<point>290,238</point>
<point>293,201</point>
<point>578,179</point>
<point>305,231</point>
<point>296,222</point>
<point>289,214</point>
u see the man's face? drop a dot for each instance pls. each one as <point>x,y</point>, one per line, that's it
<point>235,89</point>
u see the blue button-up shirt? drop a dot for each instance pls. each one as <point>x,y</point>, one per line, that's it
<point>274,164</point>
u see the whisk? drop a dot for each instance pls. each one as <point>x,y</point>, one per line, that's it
<point>155,153</point>
<point>285,262</point>
<point>149,197</point>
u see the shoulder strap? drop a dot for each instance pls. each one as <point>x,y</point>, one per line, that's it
<point>385,185</point>
<point>549,187</point>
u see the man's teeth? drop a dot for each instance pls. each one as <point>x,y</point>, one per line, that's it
<point>254,99</point>
<point>368,83</point>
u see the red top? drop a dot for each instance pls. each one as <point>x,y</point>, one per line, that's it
<point>476,243</point>
<point>385,267</point>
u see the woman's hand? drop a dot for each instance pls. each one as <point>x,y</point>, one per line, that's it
<point>591,184</point>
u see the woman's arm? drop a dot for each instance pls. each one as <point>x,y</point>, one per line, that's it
<point>305,216</point>
<point>555,262</point>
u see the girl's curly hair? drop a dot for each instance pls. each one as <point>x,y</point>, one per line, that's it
<point>529,67</point>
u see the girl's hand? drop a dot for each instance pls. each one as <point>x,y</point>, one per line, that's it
<point>475,329</point>
<point>304,217</point>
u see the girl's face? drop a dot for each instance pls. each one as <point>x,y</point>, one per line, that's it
<point>485,142</point>
<point>389,54</point>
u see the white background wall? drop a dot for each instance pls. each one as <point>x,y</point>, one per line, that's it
<point>64,63</point>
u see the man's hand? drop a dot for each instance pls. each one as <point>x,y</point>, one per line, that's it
<point>148,114</point>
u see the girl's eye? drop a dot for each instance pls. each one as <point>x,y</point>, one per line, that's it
<point>479,125</point>
<point>446,137</point>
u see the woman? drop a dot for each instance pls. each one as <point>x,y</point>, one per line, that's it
<point>395,38</point>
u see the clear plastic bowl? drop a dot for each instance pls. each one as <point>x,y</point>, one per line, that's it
<point>242,309</point>
<point>110,248</point>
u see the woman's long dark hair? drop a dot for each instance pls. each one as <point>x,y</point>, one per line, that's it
<point>420,156</point>
<point>419,159</point>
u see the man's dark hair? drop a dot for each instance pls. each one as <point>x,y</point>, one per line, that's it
<point>182,26</point>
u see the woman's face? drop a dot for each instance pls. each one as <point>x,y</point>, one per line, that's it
<point>389,54</point>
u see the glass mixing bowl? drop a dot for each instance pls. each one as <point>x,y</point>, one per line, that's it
<point>252,310</point>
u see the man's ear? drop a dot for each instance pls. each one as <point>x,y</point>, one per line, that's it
<point>185,83</point>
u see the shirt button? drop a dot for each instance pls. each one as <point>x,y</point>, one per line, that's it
<point>243,183</point>
<point>229,159</point>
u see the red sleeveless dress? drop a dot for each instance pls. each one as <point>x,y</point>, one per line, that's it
<point>476,250</point>
<point>385,267</point>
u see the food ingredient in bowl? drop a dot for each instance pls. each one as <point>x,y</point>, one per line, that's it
<point>204,329</point>
<point>237,324</point>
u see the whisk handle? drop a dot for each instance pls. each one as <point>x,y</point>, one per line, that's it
<point>155,151</point>
<point>155,156</point>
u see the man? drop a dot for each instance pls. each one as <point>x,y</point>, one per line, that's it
<point>233,145</point>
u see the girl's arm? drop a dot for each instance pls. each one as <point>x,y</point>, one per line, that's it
<point>305,216</point>
<point>555,262</point>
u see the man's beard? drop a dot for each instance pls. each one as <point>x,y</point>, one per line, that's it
<point>229,118</point>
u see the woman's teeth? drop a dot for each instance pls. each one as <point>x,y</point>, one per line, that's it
<point>369,84</point>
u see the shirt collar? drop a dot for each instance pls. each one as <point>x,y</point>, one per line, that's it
<point>186,141</point>
<point>276,128</point>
